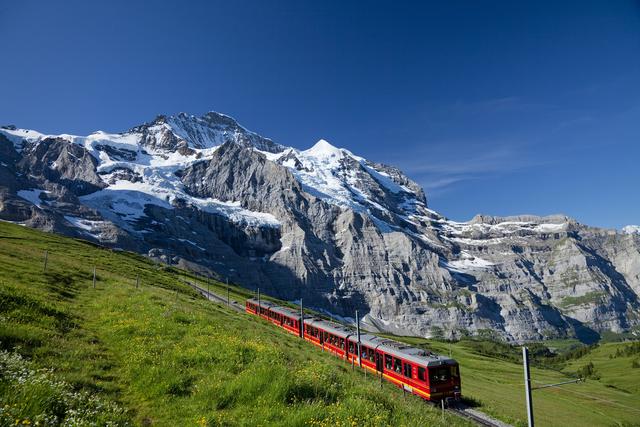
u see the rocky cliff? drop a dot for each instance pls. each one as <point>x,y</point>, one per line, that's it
<point>321,224</point>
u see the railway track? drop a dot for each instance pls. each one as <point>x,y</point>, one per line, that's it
<point>212,296</point>
<point>459,410</point>
<point>480,418</point>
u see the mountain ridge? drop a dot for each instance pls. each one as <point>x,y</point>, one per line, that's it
<point>343,232</point>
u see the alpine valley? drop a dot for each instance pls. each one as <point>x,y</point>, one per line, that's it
<point>322,224</point>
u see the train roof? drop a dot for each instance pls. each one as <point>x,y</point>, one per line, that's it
<point>333,328</point>
<point>285,311</point>
<point>417,355</point>
<point>263,303</point>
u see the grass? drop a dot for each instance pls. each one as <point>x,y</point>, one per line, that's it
<point>495,383</point>
<point>588,298</point>
<point>616,371</point>
<point>159,354</point>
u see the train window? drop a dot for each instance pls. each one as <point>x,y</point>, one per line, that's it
<point>342,343</point>
<point>387,361</point>
<point>454,371</point>
<point>352,349</point>
<point>372,355</point>
<point>438,375</point>
<point>421,373</point>
<point>365,352</point>
<point>407,370</point>
<point>397,364</point>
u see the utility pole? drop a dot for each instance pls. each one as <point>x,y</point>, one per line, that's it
<point>301,319</point>
<point>228,296</point>
<point>46,258</point>
<point>527,385</point>
<point>358,331</point>
<point>208,293</point>
<point>94,277</point>
<point>528,388</point>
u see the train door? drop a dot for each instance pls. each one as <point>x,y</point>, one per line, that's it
<point>379,361</point>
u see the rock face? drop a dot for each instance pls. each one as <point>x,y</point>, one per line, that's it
<point>322,224</point>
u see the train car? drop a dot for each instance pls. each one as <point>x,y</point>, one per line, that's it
<point>287,318</point>
<point>418,371</point>
<point>251,306</point>
<point>284,317</point>
<point>328,336</point>
<point>261,308</point>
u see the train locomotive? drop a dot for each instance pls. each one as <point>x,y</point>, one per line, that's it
<point>418,371</point>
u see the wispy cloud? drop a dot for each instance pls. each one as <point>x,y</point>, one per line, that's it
<point>440,168</point>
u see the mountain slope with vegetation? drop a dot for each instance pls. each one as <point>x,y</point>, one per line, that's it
<point>158,354</point>
<point>323,224</point>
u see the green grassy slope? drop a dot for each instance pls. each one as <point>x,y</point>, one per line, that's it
<point>159,354</point>
<point>614,366</point>
<point>498,386</point>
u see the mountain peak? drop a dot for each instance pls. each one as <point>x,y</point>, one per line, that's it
<point>213,117</point>
<point>631,229</point>
<point>323,148</point>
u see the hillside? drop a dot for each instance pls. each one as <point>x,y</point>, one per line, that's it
<point>158,354</point>
<point>495,383</point>
<point>323,224</point>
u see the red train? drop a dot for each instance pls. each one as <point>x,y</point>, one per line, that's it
<point>418,371</point>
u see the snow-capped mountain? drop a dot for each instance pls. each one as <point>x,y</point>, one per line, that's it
<point>324,224</point>
<point>631,229</point>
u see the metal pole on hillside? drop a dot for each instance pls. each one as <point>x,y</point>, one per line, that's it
<point>527,385</point>
<point>208,292</point>
<point>46,258</point>
<point>94,277</point>
<point>358,331</point>
<point>228,293</point>
<point>301,319</point>
<point>137,281</point>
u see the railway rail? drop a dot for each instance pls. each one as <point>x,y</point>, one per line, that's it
<point>459,409</point>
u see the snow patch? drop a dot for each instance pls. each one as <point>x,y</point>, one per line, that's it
<point>631,229</point>
<point>468,262</point>
<point>550,228</point>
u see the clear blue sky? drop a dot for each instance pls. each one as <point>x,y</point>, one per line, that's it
<point>494,107</point>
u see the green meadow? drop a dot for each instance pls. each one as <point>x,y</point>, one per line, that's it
<point>493,381</point>
<point>158,354</point>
